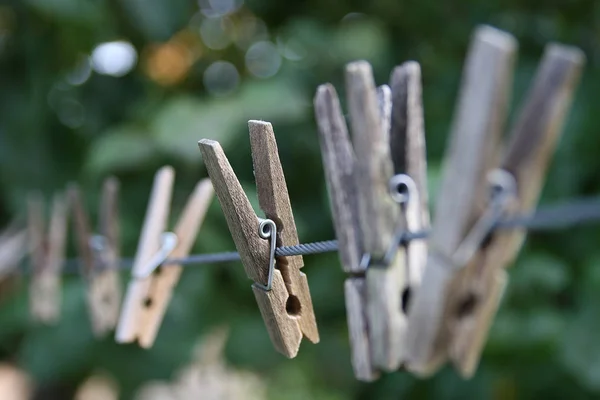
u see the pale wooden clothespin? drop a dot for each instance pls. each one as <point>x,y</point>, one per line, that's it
<point>48,253</point>
<point>464,279</point>
<point>280,288</point>
<point>388,138</point>
<point>99,256</point>
<point>149,291</point>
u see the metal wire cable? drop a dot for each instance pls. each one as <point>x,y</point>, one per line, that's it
<point>577,212</point>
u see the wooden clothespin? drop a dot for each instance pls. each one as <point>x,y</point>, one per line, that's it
<point>464,279</point>
<point>280,288</point>
<point>99,256</point>
<point>388,138</point>
<point>13,247</point>
<point>151,286</point>
<point>48,254</point>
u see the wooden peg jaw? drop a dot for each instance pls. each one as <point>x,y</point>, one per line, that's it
<point>48,254</point>
<point>455,321</point>
<point>99,260</point>
<point>147,298</point>
<point>286,308</point>
<point>163,283</point>
<point>475,132</point>
<point>367,220</point>
<point>155,222</point>
<point>532,143</point>
<point>339,164</point>
<point>407,141</point>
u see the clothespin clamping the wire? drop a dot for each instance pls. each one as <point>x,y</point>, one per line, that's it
<point>151,285</point>
<point>464,279</point>
<point>377,189</point>
<point>47,254</point>
<point>99,256</point>
<point>280,288</point>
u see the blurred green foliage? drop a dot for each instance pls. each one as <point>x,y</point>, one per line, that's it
<point>58,124</point>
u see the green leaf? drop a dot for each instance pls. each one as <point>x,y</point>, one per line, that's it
<point>184,120</point>
<point>123,148</point>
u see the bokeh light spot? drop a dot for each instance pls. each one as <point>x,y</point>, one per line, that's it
<point>114,58</point>
<point>221,78</point>
<point>263,60</point>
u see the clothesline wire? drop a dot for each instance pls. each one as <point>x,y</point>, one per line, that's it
<point>555,217</point>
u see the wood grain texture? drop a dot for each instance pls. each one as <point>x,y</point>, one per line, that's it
<point>472,150</point>
<point>164,282</point>
<point>532,143</point>
<point>407,143</point>
<point>155,223</point>
<point>283,329</point>
<point>378,213</point>
<point>356,299</point>
<point>339,166</point>
<point>386,283</point>
<point>239,214</point>
<point>274,200</point>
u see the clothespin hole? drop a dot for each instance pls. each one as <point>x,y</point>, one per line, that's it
<point>293,306</point>
<point>406,293</point>
<point>148,302</point>
<point>467,305</point>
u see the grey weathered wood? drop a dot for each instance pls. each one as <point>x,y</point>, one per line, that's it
<point>407,142</point>
<point>356,299</point>
<point>407,135</point>
<point>378,213</point>
<point>339,166</point>
<point>385,283</point>
<point>287,307</point>
<point>338,162</point>
<point>475,133</point>
<point>531,146</point>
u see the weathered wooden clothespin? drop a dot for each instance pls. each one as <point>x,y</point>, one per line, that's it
<point>365,193</point>
<point>99,256</point>
<point>280,288</point>
<point>48,253</point>
<point>151,285</point>
<point>13,247</point>
<point>462,286</point>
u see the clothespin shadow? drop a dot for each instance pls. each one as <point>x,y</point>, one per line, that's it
<point>99,256</point>
<point>151,285</point>
<point>47,251</point>
<point>377,188</point>
<point>280,288</point>
<point>462,286</point>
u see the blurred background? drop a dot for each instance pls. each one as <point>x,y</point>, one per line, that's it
<point>90,88</point>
